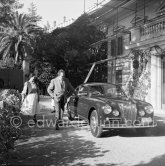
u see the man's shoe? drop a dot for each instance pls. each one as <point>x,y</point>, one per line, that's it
<point>57,127</point>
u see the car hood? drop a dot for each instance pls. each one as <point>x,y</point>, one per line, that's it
<point>124,100</point>
<point>127,107</point>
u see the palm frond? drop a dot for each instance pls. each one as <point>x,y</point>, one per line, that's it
<point>21,35</point>
<point>5,38</point>
<point>3,47</point>
<point>6,52</point>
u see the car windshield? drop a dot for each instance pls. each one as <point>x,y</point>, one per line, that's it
<point>107,89</point>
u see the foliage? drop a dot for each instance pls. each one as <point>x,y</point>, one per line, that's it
<point>47,27</point>
<point>140,82</point>
<point>143,86</point>
<point>7,7</point>
<point>18,41</point>
<point>8,63</point>
<point>32,12</point>
<point>10,106</point>
<point>69,48</point>
<point>47,74</point>
<point>97,55</point>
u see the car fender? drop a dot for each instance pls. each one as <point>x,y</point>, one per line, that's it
<point>97,107</point>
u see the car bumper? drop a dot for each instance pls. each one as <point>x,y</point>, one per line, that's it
<point>120,126</point>
<point>145,123</point>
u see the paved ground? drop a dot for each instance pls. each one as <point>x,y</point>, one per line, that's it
<point>74,145</point>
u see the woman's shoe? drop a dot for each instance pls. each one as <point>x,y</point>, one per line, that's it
<point>35,121</point>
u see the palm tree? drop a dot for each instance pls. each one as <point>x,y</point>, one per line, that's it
<point>18,39</point>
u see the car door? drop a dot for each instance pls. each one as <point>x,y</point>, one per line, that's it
<point>82,102</point>
<point>72,103</point>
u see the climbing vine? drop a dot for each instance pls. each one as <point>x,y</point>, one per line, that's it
<point>140,81</point>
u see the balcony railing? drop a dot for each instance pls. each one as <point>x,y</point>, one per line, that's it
<point>152,29</point>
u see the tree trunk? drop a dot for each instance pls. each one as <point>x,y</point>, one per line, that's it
<point>16,49</point>
<point>25,68</point>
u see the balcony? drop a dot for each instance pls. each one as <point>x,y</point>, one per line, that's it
<point>149,34</point>
<point>152,30</point>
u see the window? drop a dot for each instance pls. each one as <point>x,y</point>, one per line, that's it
<point>120,46</point>
<point>113,47</point>
<point>119,76</point>
<point>117,46</point>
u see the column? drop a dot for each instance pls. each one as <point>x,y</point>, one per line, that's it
<point>153,81</point>
<point>158,83</point>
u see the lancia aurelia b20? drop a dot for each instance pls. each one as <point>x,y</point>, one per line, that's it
<point>106,106</point>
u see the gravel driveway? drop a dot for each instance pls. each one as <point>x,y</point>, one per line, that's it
<point>74,145</point>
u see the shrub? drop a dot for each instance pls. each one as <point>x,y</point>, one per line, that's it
<point>10,101</point>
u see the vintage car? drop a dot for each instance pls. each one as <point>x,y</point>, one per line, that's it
<point>106,106</point>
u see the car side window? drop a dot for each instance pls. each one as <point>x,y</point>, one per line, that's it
<point>114,91</point>
<point>83,91</point>
<point>96,90</point>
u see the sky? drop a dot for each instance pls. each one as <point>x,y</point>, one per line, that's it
<point>55,10</point>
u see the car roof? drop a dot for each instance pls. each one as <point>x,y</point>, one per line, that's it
<point>97,83</point>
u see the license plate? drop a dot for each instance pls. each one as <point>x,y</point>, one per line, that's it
<point>146,120</point>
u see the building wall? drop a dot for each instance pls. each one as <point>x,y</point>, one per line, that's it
<point>154,35</point>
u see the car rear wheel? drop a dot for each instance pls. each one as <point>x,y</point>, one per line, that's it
<point>95,127</point>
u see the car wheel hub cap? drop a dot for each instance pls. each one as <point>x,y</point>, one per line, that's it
<point>93,122</point>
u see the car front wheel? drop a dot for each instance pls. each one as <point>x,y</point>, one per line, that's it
<point>96,128</point>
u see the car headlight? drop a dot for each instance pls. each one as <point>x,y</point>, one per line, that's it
<point>141,113</point>
<point>107,109</point>
<point>149,109</point>
<point>115,113</point>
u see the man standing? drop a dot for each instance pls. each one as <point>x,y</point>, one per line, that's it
<point>57,89</point>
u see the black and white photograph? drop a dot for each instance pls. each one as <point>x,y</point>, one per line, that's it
<point>82,83</point>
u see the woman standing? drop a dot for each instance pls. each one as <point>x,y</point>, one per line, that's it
<point>30,98</point>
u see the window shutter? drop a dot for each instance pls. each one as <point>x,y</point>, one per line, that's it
<point>113,47</point>
<point>120,46</point>
<point>119,76</point>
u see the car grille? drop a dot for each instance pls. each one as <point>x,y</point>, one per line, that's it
<point>130,112</point>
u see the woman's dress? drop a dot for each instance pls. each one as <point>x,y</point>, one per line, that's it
<point>30,105</point>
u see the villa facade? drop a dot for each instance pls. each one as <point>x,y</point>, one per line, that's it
<point>135,36</point>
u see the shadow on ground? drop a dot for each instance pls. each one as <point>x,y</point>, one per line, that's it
<point>46,146</point>
<point>159,161</point>
<point>51,147</point>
